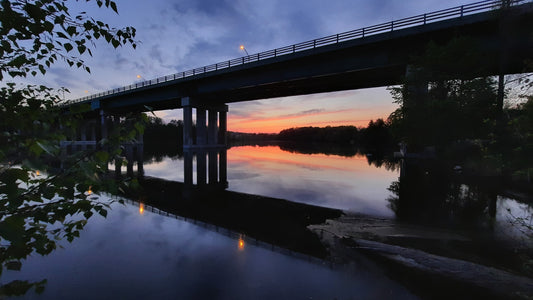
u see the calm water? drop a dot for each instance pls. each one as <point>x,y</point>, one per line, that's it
<point>135,253</point>
<point>347,183</point>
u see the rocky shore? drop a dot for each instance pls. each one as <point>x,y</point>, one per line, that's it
<point>434,263</point>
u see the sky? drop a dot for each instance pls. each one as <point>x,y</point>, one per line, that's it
<point>178,35</point>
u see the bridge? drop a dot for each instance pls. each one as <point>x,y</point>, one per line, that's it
<point>372,56</point>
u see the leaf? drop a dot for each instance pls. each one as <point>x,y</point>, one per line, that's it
<point>115,43</point>
<point>48,149</point>
<point>102,156</point>
<point>81,49</point>
<point>68,46</point>
<point>12,228</point>
<point>48,26</point>
<point>71,30</point>
<point>114,6</point>
<point>19,61</point>
<point>61,35</point>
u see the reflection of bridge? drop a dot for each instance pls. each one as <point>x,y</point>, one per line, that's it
<point>201,167</point>
<point>368,57</point>
<point>242,240</point>
<point>274,221</point>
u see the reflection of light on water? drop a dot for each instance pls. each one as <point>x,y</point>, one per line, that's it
<point>37,173</point>
<point>89,191</point>
<point>241,243</point>
<point>141,208</point>
<point>514,219</point>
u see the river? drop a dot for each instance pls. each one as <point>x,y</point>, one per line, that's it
<point>149,248</point>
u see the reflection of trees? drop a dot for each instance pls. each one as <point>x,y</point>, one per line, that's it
<point>376,159</point>
<point>156,154</point>
<point>379,160</point>
<point>319,148</point>
<point>426,194</point>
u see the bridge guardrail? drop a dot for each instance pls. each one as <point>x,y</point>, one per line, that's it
<point>450,13</point>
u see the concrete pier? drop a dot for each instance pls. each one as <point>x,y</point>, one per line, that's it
<point>211,167</point>
<point>210,129</point>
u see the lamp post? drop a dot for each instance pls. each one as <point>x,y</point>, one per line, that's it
<point>242,48</point>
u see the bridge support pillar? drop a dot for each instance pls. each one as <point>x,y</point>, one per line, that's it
<point>103,125</point>
<point>211,167</point>
<point>210,129</point>
<point>223,125</point>
<point>212,138</point>
<point>201,130</point>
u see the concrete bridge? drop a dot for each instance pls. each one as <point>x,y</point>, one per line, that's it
<point>373,56</point>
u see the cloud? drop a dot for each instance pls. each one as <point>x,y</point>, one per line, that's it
<point>315,111</point>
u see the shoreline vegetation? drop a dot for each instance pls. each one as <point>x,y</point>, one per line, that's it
<point>474,157</point>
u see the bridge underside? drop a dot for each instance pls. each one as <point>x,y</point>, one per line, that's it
<point>379,60</point>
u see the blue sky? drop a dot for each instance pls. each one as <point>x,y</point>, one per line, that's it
<point>177,35</point>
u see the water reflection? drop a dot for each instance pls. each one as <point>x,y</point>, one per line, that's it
<point>349,183</point>
<point>274,221</point>
<point>235,239</point>
<point>175,259</point>
<point>428,193</point>
<point>497,230</point>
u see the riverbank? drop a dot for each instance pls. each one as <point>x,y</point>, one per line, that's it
<point>434,263</point>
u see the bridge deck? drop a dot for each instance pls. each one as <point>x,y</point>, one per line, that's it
<point>367,57</point>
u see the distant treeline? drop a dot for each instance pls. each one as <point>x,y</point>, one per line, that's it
<point>375,137</point>
<point>159,138</point>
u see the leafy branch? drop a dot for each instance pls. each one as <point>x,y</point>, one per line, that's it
<point>36,34</point>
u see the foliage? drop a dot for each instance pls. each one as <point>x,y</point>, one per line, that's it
<point>440,101</point>
<point>377,136</point>
<point>45,195</point>
<point>36,34</point>
<point>443,104</point>
<point>340,134</point>
<point>517,140</point>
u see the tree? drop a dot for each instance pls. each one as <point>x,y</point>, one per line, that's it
<point>441,100</point>
<point>40,203</point>
<point>36,34</point>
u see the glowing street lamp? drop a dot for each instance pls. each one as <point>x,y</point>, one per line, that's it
<point>139,76</point>
<point>244,49</point>
<point>241,243</point>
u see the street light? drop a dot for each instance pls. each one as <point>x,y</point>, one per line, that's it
<point>242,48</point>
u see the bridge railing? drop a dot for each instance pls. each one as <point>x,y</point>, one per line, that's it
<point>450,13</point>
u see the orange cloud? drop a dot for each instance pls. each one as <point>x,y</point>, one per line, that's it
<point>313,117</point>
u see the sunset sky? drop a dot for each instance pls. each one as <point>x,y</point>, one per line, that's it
<point>177,35</point>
